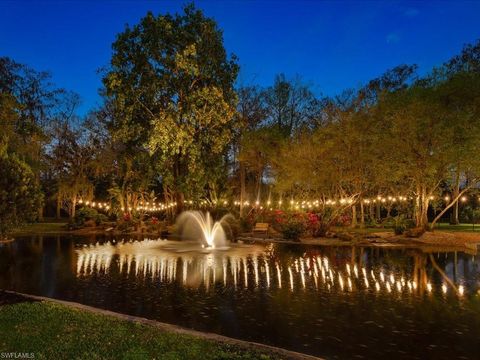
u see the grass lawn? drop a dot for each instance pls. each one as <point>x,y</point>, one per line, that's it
<point>459,227</point>
<point>53,331</point>
<point>365,230</point>
<point>41,228</point>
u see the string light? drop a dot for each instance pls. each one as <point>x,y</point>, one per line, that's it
<point>143,206</point>
<point>300,204</point>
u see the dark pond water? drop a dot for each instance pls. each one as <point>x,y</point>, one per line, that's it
<point>334,302</point>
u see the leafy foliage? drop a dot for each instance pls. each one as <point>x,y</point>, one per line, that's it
<point>85,214</point>
<point>20,195</point>
<point>170,86</point>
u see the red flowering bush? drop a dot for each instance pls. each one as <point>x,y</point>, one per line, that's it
<point>291,225</point>
<point>316,225</point>
<point>313,222</point>
<point>294,224</point>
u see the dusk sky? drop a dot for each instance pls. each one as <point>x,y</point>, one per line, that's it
<point>331,45</point>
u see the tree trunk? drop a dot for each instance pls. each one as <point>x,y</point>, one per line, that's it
<point>72,209</point>
<point>40,213</point>
<point>378,213</point>
<point>362,214</point>
<point>456,190</point>
<point>59,205</point>
<point>167,198</point>
<point>179,196</point>
<point>179,199</point>
<point>259,185</point>
<point>421,208</point>
<point>242,187</point>
<point>354,216</point>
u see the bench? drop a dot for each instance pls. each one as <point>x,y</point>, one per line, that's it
<point>261,228</point>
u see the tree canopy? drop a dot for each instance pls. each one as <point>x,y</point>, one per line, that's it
<point>171,88</point>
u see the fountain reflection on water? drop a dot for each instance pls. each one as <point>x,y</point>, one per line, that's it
<point>165,261</point>
<point>159,259</point>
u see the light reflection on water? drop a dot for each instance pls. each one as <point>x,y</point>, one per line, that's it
<point>239,265</point>
<point>334,302</point>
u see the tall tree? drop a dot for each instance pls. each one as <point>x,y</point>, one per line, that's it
<point>29,102</point>
<point>251,113</point>
<point>20,195</point>
<point>72,162</point>
<point>291,104</point>
<point>171,87</point>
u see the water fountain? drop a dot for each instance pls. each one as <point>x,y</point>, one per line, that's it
<point>192,224</point>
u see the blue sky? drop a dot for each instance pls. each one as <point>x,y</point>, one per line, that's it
<point>333,45</point>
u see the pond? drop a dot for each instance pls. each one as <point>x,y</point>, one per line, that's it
<point>333,302</point>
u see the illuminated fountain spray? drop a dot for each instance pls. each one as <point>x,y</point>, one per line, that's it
<point>193,223</point>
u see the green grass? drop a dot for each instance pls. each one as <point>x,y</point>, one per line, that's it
<point>41,228</point>
<point>365,230</point>
<point>459,227</point>
<point>53,331</point>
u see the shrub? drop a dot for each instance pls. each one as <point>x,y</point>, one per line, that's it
<point>123,226</point>
<point>469,214</point>
<point>316,225</point>
<point>293,230</point>
<point>371,222</point>
<point>388,222</point>
<point>401,224</point>
<point>415,232</point>
<point>86,214</point>
<point>246,223</point>
<point>292,225</point>
<point>232,227</point>
<point>344,220</point>
<point>133,222</point>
